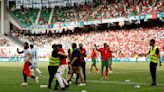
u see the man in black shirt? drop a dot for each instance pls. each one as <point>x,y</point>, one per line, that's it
<point>75,64</point>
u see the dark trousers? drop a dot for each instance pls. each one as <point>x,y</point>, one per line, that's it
<point>52,71</point>
<point>153,69</point>
<point>84,73</point>
<point>25,77</point>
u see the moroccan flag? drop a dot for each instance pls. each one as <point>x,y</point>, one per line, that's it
<point>154,16</point>
<point>26,69</point>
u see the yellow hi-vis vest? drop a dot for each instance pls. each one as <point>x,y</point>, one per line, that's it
<point>70,52</point>
<point>153,55</point>
<point>54,61</point>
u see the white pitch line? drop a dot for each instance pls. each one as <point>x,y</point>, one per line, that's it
<point>110,73</point>
<point>117,82</point>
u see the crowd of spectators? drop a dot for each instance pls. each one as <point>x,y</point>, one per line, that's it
<point>91,11</point>
<point>71,14</point>
<point>125,8</point>
<point>128,42</point>
<point>3,41</point>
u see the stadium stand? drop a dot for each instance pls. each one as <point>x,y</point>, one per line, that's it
<point>129,42</point>
<point>44,17</point>
<point>123,8</point>
<point>85,12</point>
<point>3,41</point>
<point>26,16</point>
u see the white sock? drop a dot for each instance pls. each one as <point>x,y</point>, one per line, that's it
<point>32,71</point>
<point>37,69</point>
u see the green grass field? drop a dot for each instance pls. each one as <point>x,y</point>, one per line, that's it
<point>137,73</point>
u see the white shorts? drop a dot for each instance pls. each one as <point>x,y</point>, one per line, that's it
<point>34,64</point>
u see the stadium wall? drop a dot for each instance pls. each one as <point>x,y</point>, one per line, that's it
<point>43,56</point>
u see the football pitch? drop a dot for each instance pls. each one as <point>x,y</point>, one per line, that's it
<point>137,72</point>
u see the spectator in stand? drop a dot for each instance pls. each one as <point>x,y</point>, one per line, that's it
<point>131,41</point>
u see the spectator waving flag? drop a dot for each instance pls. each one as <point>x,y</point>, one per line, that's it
<point>154,16</point>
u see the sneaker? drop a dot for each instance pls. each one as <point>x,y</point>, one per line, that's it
<point>110,72</point>
<point>153,84</point>
<point>63,89</point>
<point>56,88</point>
<point>82,84</point>
<point>69,82</point>
<point>37,79</point>
<point>76,82</point>
<point>66,86</point>
<point>97,72</point>
<point>106,78</point>
<point>24,84</point>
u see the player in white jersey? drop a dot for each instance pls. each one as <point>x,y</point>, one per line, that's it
<point>27,58</point>
<point>34,60</point>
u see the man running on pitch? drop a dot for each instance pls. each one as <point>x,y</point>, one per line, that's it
<point>27,58</point>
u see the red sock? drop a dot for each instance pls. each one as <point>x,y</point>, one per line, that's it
<point>106,72</point>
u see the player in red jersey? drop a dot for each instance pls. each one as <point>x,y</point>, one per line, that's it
<point>105,60</point>
<point>94,59</point>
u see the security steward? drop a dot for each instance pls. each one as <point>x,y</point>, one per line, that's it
<point>154,54</point>
<point>54,63</point>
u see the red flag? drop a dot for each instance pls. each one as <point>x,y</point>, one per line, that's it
<point>154,16</point>
<point>60,24</point>
<point>26,69</point>
<point>101,9</point>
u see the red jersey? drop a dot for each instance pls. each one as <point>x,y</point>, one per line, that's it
<point>110,53</point>
<point>82,55</point>
<point>93,55</point>
<point>104,53</point>
<point>62,59</point>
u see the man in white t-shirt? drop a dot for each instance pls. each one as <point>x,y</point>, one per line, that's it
<point>27,58</point>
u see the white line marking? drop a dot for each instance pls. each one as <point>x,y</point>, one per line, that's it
<point>117,82</point>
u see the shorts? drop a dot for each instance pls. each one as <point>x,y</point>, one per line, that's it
<point>26,69</point>
<point>94,61</point>
<point>33,65</point>
<point>75,69</point>
<point>105,64</point>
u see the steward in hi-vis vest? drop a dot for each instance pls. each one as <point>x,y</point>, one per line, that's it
<point>54,63</point>
<point>154,59</point>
